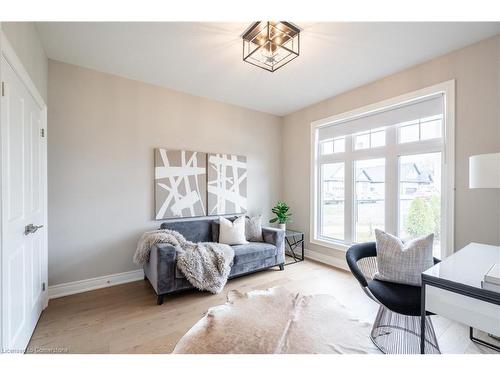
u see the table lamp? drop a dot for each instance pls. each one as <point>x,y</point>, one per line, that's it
<point>484,171</point>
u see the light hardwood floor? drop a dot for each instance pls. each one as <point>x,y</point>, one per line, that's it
<point>126,319</point>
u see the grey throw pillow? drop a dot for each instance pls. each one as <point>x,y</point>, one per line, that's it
<point>253,229</point>
<point>403,262</point>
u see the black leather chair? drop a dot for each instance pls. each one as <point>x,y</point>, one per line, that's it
<point>396,329</point>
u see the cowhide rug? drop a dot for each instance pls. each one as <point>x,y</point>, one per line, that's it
<point>276,321</point>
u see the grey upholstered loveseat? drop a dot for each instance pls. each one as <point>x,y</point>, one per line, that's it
<point>161,270</point>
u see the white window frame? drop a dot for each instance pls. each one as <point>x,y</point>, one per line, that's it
<point>446,145</point>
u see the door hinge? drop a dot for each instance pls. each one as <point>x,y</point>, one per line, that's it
<point>3,88</point>
<point>42,132</point>
<point>43,287</point>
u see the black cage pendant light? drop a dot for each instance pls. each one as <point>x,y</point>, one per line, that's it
<point>271,45</point>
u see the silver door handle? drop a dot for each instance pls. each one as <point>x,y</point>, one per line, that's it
<point>30,228</point>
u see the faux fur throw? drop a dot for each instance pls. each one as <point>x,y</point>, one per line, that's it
<point>206,265</point>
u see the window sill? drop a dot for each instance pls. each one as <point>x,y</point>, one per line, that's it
<point>340,246</point>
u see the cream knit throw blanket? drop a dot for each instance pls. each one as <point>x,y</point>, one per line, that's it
<point>206,265</point>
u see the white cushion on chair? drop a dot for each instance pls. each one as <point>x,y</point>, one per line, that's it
<point>403,262</point>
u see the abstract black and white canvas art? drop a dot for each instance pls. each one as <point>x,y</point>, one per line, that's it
<point>227,184</point>
<point>180,183</point>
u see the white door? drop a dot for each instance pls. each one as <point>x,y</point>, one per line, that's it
<point>24,227</point>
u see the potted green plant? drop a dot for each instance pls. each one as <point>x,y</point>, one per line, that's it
<point>282,215</point>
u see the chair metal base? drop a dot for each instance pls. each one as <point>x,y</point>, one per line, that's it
<point>394,333</point>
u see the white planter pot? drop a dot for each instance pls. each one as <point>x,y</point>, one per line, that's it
<point>282,226</point>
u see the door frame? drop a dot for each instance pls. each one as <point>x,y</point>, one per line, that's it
<point>7,51</point>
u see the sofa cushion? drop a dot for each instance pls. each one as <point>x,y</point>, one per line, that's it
<point>243,254</point>
<point>253,251</point>
<point>195,230</point>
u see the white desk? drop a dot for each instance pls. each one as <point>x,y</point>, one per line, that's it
<point>452,288</point>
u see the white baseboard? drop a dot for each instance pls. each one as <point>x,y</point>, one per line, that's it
<point>74,287</point>
<point>327,259</point>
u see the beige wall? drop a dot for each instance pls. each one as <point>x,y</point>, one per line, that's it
<point>102,130</point>
<point>24,38</point>
<point>476,69</point>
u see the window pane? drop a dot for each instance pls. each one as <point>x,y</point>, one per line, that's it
<point>430,129</point>
<point>326,147</point>
<point>339,144</point>
<point>369,202</point>
<point>378,139</point>
<point>361,141</point>
<point>332,200</point>
<point>420,197</point>
<point>409,133</point>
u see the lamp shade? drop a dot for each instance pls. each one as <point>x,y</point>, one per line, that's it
<point>484,171</point>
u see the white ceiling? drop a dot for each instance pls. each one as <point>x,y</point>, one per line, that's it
<point>205,59</point>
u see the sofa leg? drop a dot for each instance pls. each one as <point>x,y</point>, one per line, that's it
<point>159,299</point>
<point>282,266</point>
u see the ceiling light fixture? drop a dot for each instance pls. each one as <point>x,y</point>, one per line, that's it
<point>271,45</point>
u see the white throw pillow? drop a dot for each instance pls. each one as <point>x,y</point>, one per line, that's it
<point>403,262</point>
<point>232,233</point>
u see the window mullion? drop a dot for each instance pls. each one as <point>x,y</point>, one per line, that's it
<point>349,191</point>
<point>349,200</point>
<point>319,198</point>
<point>391,181</point>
